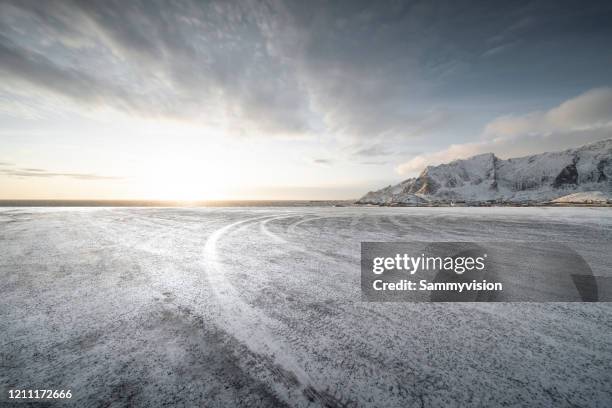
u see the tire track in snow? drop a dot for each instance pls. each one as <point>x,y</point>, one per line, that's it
<point>263,227</point>
<point>291,229</point>
<point>251,327</point>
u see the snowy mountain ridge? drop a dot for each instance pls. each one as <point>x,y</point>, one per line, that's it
<point>486,178</point>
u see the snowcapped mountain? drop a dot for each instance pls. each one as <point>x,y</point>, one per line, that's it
<point>486,178</point>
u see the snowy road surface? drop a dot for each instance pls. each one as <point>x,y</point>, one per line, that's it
<point>262,307</point>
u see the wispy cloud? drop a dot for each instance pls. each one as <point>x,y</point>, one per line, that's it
<point>498,49</point>
<point>583,119</point>
<point>42,173</point>
<point>592,109</point>
<point>374,163</point>
<point>373,150</point>
<point>323,161</point>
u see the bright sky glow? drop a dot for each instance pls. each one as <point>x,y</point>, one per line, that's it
<point>287,100</point>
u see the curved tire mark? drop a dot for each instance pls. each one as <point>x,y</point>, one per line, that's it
<point>250,326</point>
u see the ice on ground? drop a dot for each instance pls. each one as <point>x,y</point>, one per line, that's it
<point>262,307</point>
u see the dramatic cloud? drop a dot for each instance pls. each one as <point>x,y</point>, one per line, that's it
<point>583,119</point>
<point>369,71</point>
<point>202,62</point>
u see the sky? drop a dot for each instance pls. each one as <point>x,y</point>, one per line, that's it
<point>193,100</point>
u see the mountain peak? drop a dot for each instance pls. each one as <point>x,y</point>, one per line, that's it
<point>481,156</point>
<point>486,178</point>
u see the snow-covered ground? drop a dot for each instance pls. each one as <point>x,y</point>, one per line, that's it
<point>262,307</point>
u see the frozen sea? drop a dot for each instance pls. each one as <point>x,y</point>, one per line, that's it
<point>260,307</point>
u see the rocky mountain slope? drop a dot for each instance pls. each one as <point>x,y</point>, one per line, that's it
<point>486,178</point>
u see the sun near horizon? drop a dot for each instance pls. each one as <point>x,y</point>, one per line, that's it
<point>254,102</point>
